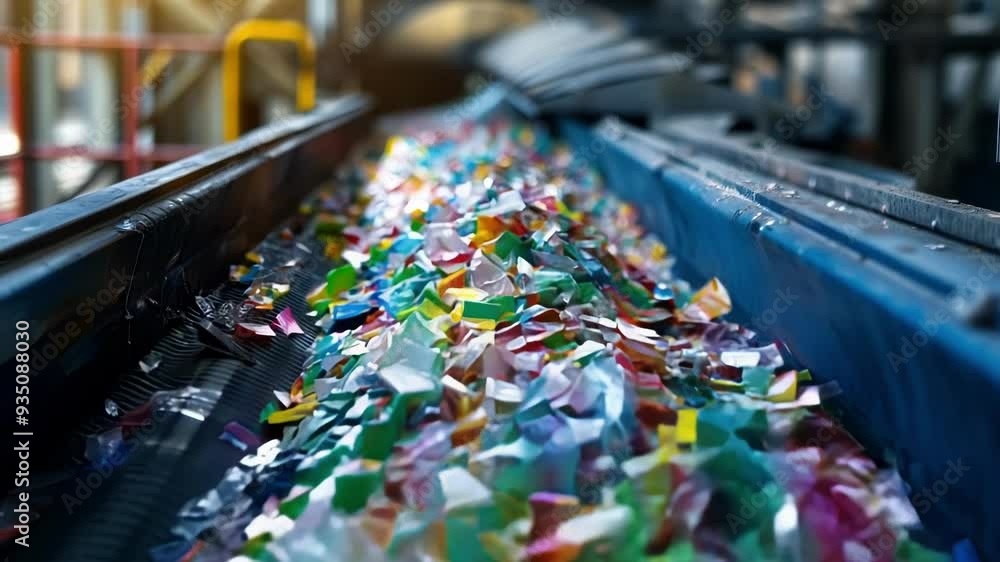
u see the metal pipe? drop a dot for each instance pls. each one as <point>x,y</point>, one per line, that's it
<point>265,30</point>
<point>42,108</point>
<point>118,153</point>
<point>100,88</point>
<point>196,43</point>
<point>17,163</point>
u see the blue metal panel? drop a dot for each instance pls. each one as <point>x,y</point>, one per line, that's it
<point>920,379</point>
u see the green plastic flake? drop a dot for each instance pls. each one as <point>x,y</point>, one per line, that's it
<point>295,506</point>
<point>559,342</point>
<point>310,375</point>
<point>757,380</point>
<point>317,468</point>
<point>510,508</point>
<point>353,490</point>
<point>679,551</point>
<point>351,364</point>
<point>509,243</point>
<point>507,303</point>
<point>432,296</point>
<point>464,530</point>
<point>547,278</point>
<point>378,437</point>
<point>406,273</point>
<point>549,296</point>
<point>636,294</point>
<point>377,255</point>
<point>340,279</point>
<point>269,409</point>
<point>586,292</point>
<point>735,463</point>
<point>256,547</point>
<point>406,312</point>
<point>636,535</point>
<point>911,551</point>
<point>322,306</point>
<point>314,429</point>
<point>482,310</point>
<point>330,226</point>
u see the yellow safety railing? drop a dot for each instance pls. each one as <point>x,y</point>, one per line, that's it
<point>288,31</point>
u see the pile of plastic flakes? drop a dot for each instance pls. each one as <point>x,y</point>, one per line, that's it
<point>509,372</point>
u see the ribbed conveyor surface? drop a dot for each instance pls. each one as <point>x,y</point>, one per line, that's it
<point>179,458</point>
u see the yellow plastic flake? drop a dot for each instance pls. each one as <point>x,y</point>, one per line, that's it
<point>237,273</point>
<point>254,257</point>
<point>293,414</point>
<point>725,384</point>
<point>334,249</point>
<point>335,303</point>
<point>430,310</point>
<point>668,442</point>
<point>485,325</point>
<point>659,251</point>
<point>403,314</point>
<point>392,144</point>
<point>457,312</point>
<point>369,335</point>
<point>487,228</point>
<point>713,299</point>
<point>784,387</point>
<point>566,212</point>
<point>280,289</point>
<point>687,425</point>
<point>469,426</point>
<point>454,281</point>
<point>316,294</point>
<point>466,294</point>
<point>537,224</point>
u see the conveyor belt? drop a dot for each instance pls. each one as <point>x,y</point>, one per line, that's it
<point>175,259</point>
<point>178,458</point>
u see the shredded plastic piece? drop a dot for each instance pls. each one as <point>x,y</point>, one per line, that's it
<point>285,322</point>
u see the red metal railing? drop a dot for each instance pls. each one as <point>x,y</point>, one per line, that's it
<point>134,161</point>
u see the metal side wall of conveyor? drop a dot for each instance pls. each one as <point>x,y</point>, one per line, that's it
<point>902,317</point>
<point>101,278</point>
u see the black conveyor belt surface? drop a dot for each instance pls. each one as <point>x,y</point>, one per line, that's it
<point>178,457</point>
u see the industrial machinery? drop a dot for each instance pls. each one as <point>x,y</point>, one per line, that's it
<point>889,292</point>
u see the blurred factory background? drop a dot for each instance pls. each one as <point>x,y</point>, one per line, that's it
<point>96,91</point>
